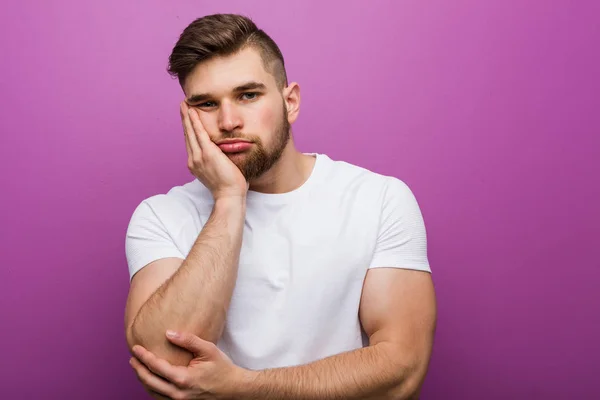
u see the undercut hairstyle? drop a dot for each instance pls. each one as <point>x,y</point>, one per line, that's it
<point>220,35</point>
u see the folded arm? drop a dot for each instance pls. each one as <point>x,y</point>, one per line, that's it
<point>398,312</point>
<point>188,295</point>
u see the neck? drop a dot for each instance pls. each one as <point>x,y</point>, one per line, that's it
<point>289,172</point>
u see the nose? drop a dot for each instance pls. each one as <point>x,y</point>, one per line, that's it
<point>229,117</point>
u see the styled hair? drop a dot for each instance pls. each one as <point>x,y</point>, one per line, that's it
<point>223,35</point>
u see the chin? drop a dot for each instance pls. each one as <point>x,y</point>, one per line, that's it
<point>239,159</point>
<point>237,156</point>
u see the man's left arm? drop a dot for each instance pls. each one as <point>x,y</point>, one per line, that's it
<point>398,313</point>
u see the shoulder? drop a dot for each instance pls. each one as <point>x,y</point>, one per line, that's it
<point>355,179</point>
<point>175,205</point>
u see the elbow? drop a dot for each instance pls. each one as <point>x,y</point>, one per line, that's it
<point>407,390</point>
<point>134,337</point>
<point>131,337</point>
<point>408,381</point>
<point>158,344</point>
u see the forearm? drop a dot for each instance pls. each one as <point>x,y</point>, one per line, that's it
<point>196,297</point>
<point>367,373</point>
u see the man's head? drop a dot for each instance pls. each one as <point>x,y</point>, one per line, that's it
<point>234,75</point>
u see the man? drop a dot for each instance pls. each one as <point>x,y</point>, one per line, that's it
<point>275,274</point>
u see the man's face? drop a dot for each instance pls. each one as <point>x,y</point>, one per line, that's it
<point>237,98</point>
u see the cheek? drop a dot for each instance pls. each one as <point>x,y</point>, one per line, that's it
<point>210,125</point>
<point>264,120</point>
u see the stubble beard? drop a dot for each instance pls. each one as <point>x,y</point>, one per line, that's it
<point>260,159</point>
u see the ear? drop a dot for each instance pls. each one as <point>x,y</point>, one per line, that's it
<point>291,97</point>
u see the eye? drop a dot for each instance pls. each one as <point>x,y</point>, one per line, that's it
<point>207,104</point>
<point>249,96</point>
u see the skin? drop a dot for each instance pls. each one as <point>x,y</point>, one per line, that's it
<point>189,298</point>
<point>256,114</point>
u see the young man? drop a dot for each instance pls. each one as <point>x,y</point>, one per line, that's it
<point>275,274</point>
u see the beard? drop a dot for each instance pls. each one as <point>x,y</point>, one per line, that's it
<point>260,159</point>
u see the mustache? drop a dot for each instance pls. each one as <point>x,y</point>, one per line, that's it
<point>238,135</point>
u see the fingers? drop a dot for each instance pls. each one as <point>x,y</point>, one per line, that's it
<point>187,144</point>
<point>200,348</point>
<point>153,382</point>
<point>198,129</point>
<point>158,366</point>
<point>190,136</point>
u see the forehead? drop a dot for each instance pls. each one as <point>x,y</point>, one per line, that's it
<point>222,74</point>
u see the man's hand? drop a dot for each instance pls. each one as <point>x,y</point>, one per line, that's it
<point>210,374</point>
<point>207,162</point>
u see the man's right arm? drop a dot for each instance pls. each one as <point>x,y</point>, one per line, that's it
<point>192,295</point>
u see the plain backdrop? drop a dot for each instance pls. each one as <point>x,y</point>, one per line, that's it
<point>488,110</point>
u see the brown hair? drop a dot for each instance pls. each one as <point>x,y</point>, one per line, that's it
<point>223,35</point>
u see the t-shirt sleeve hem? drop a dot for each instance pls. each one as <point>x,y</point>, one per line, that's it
<point>400,265</point>
<point>139,263</point>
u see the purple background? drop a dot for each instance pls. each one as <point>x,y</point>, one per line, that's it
<point>488,110</point>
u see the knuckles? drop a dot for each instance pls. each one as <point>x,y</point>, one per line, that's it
<point>182,381</point>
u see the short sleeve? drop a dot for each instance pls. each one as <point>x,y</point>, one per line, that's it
<point>147,239</point>
<point>401,241</point>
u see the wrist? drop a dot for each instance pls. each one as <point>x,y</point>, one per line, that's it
<point>232,202</point>
<point>244,384</point>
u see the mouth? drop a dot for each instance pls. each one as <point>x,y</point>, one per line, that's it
<point>234,145</point>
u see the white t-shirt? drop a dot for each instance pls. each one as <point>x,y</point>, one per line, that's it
<point>303,259</point>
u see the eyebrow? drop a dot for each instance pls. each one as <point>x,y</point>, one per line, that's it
<point>199,98</point>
